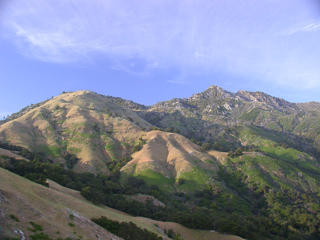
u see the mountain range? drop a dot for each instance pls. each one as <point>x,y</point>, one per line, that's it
<point>244,153</point>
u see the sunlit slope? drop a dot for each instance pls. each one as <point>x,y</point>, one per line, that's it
<point>172,161</point>
<point>83,123</point>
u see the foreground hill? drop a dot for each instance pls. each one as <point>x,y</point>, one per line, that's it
<point>63,212</point>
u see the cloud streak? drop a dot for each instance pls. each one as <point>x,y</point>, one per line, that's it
<point>309,27</point>
<point>194,36</point>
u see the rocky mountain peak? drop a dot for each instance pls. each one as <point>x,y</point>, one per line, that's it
<point>212,92</point>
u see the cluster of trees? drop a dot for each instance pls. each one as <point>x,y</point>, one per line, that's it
<point>138,146</point>
<point>295,213</point>
<point>71,160</point>
<point>235,153</point>
<point>115,166</point>
<point>127,231</point>
<point>23,151</point>
<point>283,145</point>
<point>205,146</point>
<point>172,130</point>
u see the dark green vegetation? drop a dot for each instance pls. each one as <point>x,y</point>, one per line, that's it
<point>266,185</point>
<point>37,235</point>
<point>36,227</point>
<point>127,231</point>
<point>137,147</point>
<point>13,217</point>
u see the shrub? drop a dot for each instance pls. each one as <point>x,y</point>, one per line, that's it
<point>13,217</point>
<point>40,236</point>
<point>71,224</point>
<point>181,181</point>
<point>127,231</point>
<point>36,227</point>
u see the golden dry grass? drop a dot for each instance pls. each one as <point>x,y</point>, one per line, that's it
<point>220,156</point>
<point>171,155</point>
<point>47,207</point>
<point>65,123</point>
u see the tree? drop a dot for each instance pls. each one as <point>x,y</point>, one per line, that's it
<point>239,152</point>
<point>231,154</point>
<point>181,181</point>
<point>205,146</point>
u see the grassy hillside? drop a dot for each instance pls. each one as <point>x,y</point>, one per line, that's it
<point>168,159</point>
<point>84,124</point>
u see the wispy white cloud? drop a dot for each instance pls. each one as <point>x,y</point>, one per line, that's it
<point>177,82</point>
<point>135,66</point>
<point>301,28</point>
<point>139,37</point>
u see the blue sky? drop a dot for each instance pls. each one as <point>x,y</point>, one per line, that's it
<point>150,51</point>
